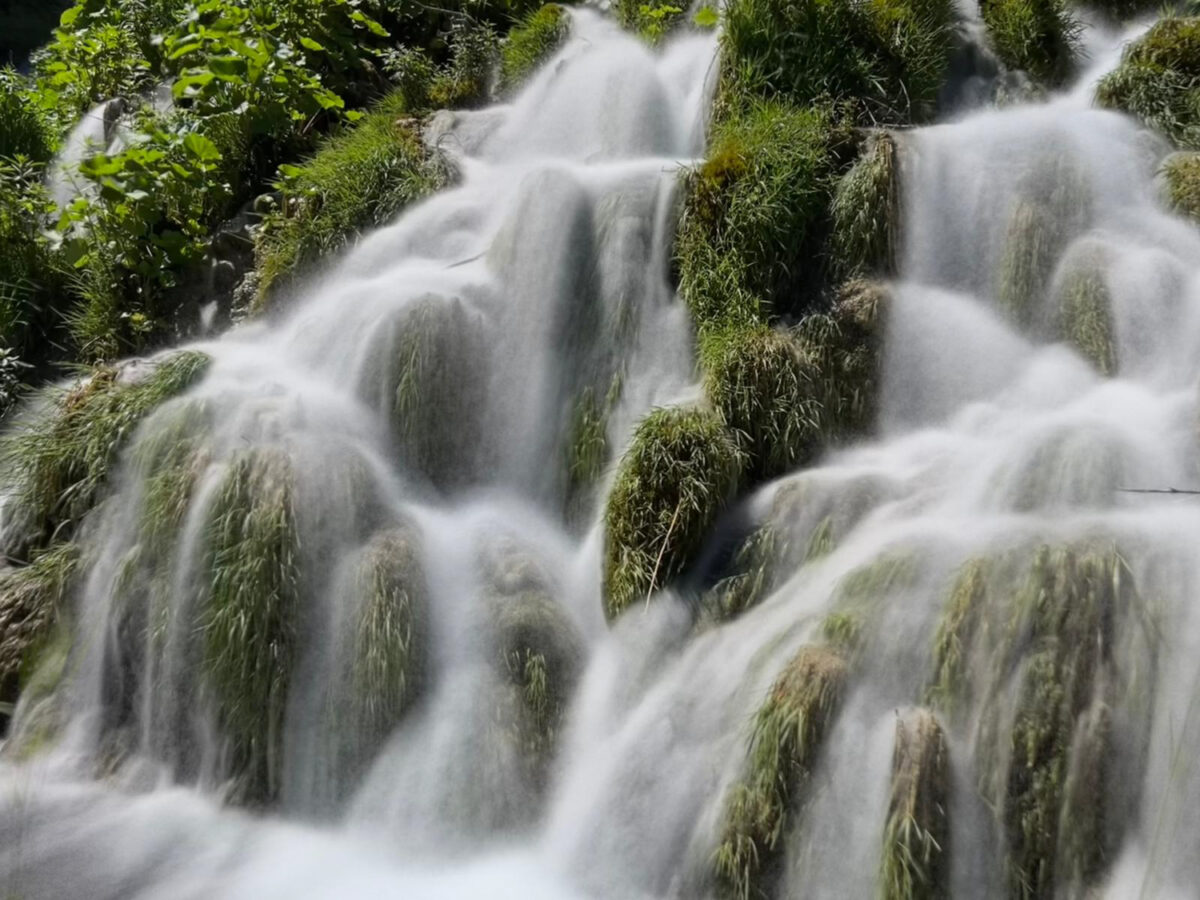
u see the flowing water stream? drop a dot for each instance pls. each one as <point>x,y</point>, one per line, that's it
<point>477,321</point>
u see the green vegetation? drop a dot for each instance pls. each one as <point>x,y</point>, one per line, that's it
<point>1084,308</point>
<point>528,45</point>
<point>680,470</point>
<point>886,58</point>
<point>357,180</point>
<point>58,463</point>
<point>789,729</point>
<point>757,214</point>
<point>652,19</point>
<point>248,616</point>
<point>1156,80</point>
<point>762,382</point>
<point>1036,36</point>
<point>32,600</point>
<point>1181,171</point>
<point>866,211</point>
<point>26,130</point>
<point>916,837</point>
<point>389,640</point>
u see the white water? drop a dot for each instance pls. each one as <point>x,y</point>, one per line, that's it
<point>547,268</point>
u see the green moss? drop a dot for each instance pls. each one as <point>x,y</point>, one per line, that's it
<point>247,616</point>
<point>1181,171</point>
<point>1084,309</point>
<point>756,215</point>
<point>678,473</point>
<point>389,640</point>
<point>32,598</point>
<point>1156,80</point>
<point>57,465</point>
<point>764,386</point>
<point>866,211</point>
<point>916,837</point>
<point>887,58</point>
<point>788,732</point>
<point>357,180</point>
<point>1036,36</point>
<point>530,43</point>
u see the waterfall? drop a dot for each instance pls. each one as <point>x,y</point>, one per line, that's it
<point>340,629</point>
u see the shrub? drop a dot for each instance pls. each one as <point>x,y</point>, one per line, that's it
<point>756,215</point>
<point>681,468</point>
<point>30,279</point>
<point>1035,36</point>
<point>652,19</point>
<point>359,179</point>
<point>530,42</point>
<point>26,131</point>
<point>885,57</point>
<point>468,78</point>
<point>1155,80</point>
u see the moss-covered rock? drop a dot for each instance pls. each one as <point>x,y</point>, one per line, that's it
<point>530,43</point>
<point>357,180</point>
<point>785,744</point>
<point>539,653</point>
<point>57,463</point>
<point>916,837</point>
<point>1181,172</point>
<point>866,211</point>
<point>680,470</point>
<point>247,616</point>
<point>765,386</point>
<point>1036,36</point>
<point>886,58</point>
<point>1083,308</point>
<point>1156,78</point>
<point>756,216</point>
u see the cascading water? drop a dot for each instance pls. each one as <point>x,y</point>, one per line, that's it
<point>977,557</point>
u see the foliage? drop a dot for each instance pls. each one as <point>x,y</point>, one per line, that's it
<point>788,731</point>
<point>653,19</point>
<point>756,215</point>
<point>1156,78</point>
<point>1181,171</point>
<point>1035,36</point>
<point>248,615</point>
<point>681,467</point>
<point>467,80</point>
<point>26,132</point>
<point>30,280</point>
<point>359,179</point>
<point>57,465</point>
<point>530,42</point>
<point>887,58</point>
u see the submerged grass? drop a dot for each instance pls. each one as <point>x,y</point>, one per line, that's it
<point>248,616</point>
<point>32,600</point>
<point>789,729</point>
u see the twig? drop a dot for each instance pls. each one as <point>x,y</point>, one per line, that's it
<point>662,550</point>
<point>1155,491</point>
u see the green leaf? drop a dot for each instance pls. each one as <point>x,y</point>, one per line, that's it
<point>227,65</point>
<point>288,171</point>
<point>310,44</point>
<point>67,19</point>
<point>706,17</point>
<point>201,148</point>
<point>367,22</point>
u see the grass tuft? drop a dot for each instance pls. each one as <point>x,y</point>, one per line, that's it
<point>1039,37</point>
<point>530,43</point>
<point>680,470</point>
<point>866,211</point>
